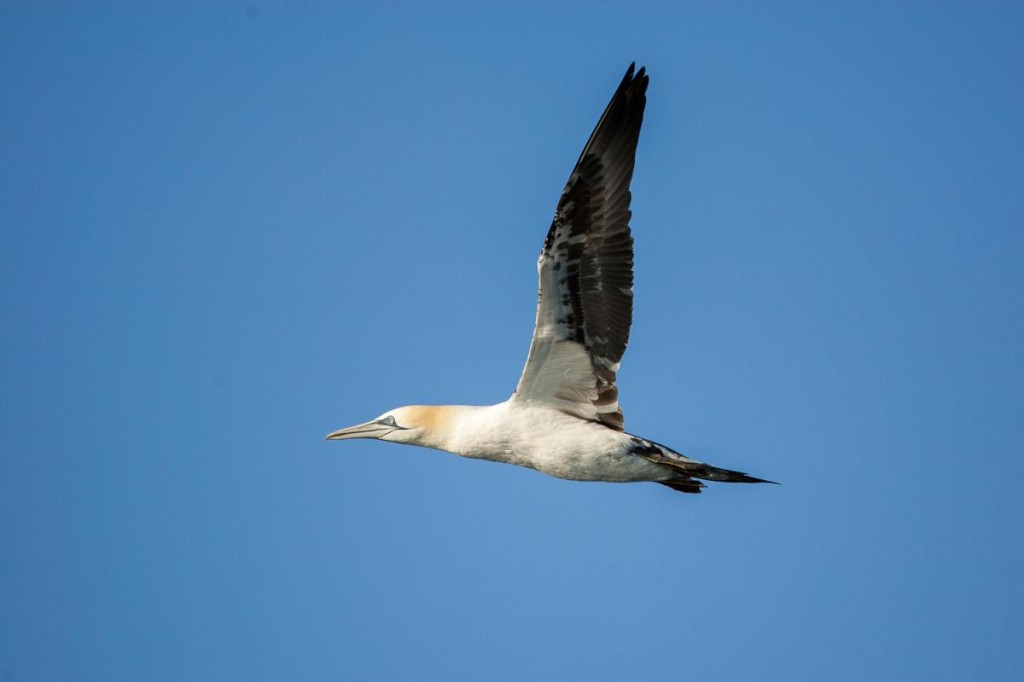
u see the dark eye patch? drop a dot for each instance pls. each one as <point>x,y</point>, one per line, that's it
<point>388,421</point>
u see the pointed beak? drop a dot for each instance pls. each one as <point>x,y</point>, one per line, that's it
<point>367,430</point>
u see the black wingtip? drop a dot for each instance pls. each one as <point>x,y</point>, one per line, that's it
<point>627,78</point>
<point>636,81</point>
<point>633,75</point>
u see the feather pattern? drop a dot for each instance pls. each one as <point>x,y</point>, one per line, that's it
<point>564,419</point>
<point>585,272</point>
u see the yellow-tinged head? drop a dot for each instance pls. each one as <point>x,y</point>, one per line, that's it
<point>428,425</point>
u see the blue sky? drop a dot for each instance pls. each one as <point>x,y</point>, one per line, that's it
<point>229,230</point>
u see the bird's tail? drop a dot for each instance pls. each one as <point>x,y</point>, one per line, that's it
<point>686,481</point>
<point>688,470</point>
<point>710,473</point>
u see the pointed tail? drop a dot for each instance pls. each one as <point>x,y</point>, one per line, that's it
<point>710,473</point>
<point>686,481</point>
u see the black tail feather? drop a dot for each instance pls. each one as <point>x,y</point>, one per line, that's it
<point>686,469</point>
<point>686,483</point>
<point>710,473</point>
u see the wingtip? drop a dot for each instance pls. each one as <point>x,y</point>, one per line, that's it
<point>632,72</point>
<point>636,79</point>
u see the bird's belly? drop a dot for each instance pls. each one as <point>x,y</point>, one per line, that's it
<point>576,450</point>
<point>598,466</point>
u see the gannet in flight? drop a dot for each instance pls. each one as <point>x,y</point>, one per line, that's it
<point>564,417</point>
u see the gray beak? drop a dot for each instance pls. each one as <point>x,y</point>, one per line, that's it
<point>367,430</point>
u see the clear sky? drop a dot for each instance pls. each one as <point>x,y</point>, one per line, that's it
<point>230,230</point>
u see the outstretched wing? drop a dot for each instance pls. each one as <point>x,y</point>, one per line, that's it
<point>585,270</point>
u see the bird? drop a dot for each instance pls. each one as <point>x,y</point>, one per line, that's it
<point>564,417</point>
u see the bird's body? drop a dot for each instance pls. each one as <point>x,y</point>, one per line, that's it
<point>537,437</point>
<point>564,418</point>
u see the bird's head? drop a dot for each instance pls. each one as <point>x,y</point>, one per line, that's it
<point>414,424</point>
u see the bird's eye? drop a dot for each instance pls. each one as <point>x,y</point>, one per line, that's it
<point>389,421</point>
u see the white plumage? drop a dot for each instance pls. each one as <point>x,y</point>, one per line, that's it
<point>564,418</point>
